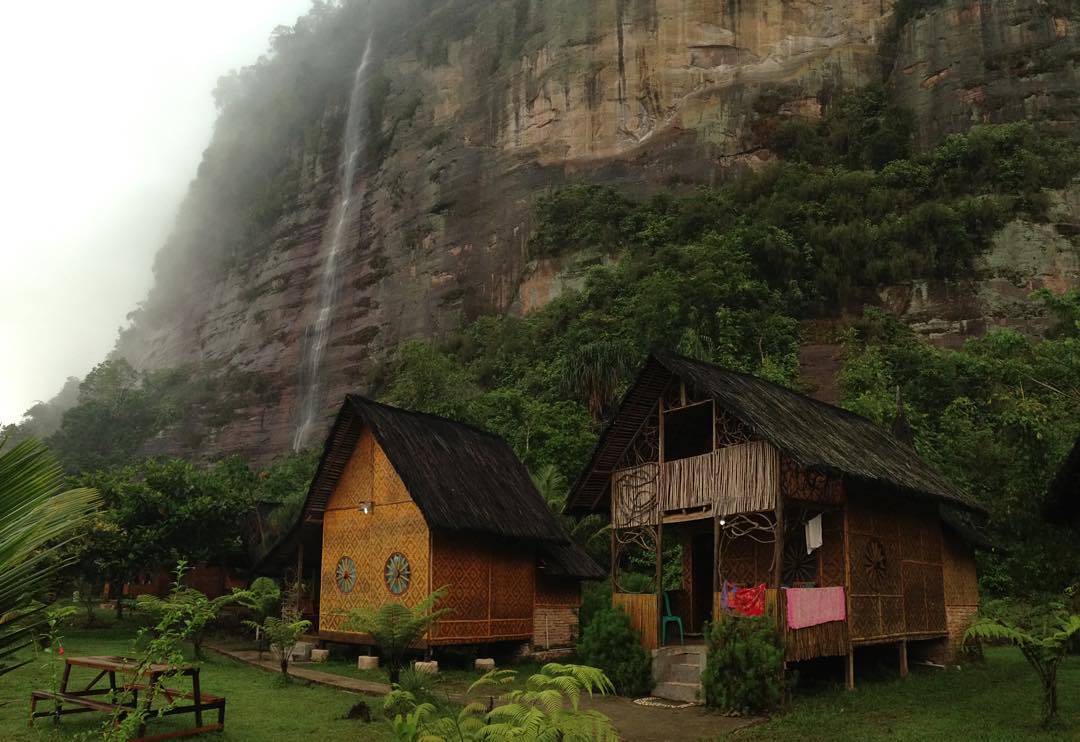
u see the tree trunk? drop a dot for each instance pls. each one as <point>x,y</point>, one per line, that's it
<point>285,666</point>
<point>120,607</point>
<point>1050,706</point>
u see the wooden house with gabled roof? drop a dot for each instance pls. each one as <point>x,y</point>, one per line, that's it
<point>403,503</point>
<point>767,489</point>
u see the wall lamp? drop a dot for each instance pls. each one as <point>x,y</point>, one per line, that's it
<point>366,507</point>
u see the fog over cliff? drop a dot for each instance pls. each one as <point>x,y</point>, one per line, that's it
<point>108,107</point>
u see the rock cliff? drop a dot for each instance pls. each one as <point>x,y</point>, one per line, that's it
<point>487,104</point>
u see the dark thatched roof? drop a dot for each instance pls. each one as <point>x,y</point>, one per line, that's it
<point>814,434</point>
<point>462,478</point>
<point>1062,502</point>
<point>569,560</point>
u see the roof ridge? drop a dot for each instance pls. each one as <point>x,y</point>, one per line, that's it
<point>660,356</point>
<point>354,398</point>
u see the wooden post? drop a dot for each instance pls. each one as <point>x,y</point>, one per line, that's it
<point>850,667</point>
<point>660,479</point>
<point>778,547</point>
<point>903,659</point>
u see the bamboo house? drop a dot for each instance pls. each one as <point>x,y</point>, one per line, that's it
<point>404,503</point>
<point>836,524</point>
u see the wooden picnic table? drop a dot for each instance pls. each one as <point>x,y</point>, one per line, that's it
<point>124,697</point>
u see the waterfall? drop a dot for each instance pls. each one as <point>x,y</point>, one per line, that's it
<point>317,334</point>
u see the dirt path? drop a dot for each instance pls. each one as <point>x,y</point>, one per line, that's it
<point>652,724</point>
<point>341,682</point>
<point>634,723</point>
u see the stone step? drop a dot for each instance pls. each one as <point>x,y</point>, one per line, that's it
<point>681,672</point>
<point>672,691</point>
<point>686,658</point>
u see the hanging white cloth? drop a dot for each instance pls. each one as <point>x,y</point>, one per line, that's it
<point>813,533</point>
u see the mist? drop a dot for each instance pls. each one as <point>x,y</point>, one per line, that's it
<point>108,108</point>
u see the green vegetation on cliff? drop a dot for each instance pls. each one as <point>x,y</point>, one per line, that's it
<point>824,224</point>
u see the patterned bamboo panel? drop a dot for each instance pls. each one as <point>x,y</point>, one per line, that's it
<point>355,483</point>
<point>891,609</point>
<point>961,583</point>
<point>641,607</point>
<point>512,587</point>
<point>831,552</point>
<point>449,629</point>
<point>557,592</point>
<point>807,485</point>
<point>388,487</point>
<point>745,562</point>
<point>369,540</point>
<point>875,565</point>
<point>865,619</point>
<point>394,526</point>
<point>464,566</point>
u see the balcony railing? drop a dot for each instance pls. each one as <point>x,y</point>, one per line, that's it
<point>737,479</point>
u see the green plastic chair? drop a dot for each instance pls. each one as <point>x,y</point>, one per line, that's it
<point>670,617</point>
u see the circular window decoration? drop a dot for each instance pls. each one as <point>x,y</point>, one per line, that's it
<point>345,574</point>
<point>398,573</point>
<point>875,564</point>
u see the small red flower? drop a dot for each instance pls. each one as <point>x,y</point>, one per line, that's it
<point>61,650</point>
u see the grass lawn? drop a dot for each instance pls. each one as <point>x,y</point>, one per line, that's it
<point>998,701</point>
<point>258,708</point>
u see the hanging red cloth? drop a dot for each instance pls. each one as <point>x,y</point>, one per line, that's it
<point>749,601</point>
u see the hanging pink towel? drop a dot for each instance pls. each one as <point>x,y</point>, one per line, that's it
<point>814,605</point>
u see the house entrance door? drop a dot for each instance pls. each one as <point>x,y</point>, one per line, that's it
<point>702,545</point>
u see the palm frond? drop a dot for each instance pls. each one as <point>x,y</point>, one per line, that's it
<point>37,518</point>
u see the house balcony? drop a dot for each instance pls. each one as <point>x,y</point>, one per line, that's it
<point>743,478</point>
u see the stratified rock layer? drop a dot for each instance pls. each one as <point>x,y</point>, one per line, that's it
<point>647,94</point>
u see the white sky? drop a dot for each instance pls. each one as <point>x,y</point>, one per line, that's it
<point>106,109</point>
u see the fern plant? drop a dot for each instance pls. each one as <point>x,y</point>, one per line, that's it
<point>1044,650</point>
<point>282,634</point>
<point>546,710</point>
<point>395,628</point>
<point>262,599</point>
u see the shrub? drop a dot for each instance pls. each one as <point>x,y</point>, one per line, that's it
<point>611,644</point>
<point>744,670</point>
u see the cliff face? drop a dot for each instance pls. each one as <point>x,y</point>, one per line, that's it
<point>648,94</point>
<point>988,61</point>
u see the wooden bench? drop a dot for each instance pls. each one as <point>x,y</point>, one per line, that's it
<point>123,700</point>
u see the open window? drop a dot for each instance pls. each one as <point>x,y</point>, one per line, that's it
<point>688,431</point>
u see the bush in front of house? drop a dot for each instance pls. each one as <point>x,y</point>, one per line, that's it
<point>744,669</point>
<point>610,643</point>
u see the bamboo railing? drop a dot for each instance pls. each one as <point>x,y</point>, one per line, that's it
<point>744,478</point>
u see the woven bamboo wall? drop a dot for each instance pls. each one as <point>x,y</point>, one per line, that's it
<point>897,585</point>
<point>555,615</point>
<point>798,483</point>
<point>641,607</point>
<point>745,562</point>
<point>961,579</point>
<point>395,525</point>
<point>961,589</point>
<point>491,590</point>
<point>558,591</point>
